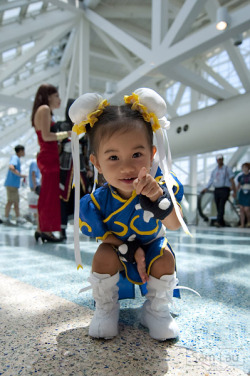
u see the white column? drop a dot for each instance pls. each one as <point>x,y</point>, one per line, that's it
<point>193,188</point>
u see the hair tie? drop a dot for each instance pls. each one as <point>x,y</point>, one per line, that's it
<point>86,110</point>
<point>149,117</point>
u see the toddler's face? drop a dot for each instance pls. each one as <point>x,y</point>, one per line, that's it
<point>121,156</point>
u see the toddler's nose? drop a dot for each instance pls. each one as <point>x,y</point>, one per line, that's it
<point>127,167</point>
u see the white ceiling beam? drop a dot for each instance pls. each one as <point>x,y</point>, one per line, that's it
<point>117,49</point>
<point>238,63</point>
<point>206,38</point>
<point>31,27</point>
<point>119,35</point>
<point>104,76</point>
<point>67,5</point>
<point>73,69</point>
<point>25,88</point>
<point>17,4</point>
<point>194,101</point>
<point>156,24</point>
<point>126,11</point>
<point>138,33</point>
<point>18,131</point>
<point>179,96</point>
<point>12,101</point>
<point>197,43</point>
<point>221,81</point>
<point>171,111</point>
<point>183,22</point>
<point>211,7</point>
<point>84,68</point>
<point>98,53</point>
<point>48,39</point>
<point>67,53</point>
<point>196,82</point>
<point>237,155</point>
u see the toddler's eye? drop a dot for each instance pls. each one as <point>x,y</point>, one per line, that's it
<point>136,155</point>
<point>113,158</point>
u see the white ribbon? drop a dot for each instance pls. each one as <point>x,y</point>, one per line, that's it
<point>175,288</point>
<point>95,179</point>
<point>76,183</point>
<point>164,163</point>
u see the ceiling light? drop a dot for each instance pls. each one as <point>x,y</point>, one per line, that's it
<point>222,19</point>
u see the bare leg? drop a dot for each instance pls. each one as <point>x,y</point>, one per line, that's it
<point>16,208</point>
<point>164,265</point>
<point>7,208</point>
<point>242,216</point>
<point>247,212</point>
<point>106,260</point>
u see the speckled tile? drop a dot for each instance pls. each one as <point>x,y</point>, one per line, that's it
<point>46,322</point>
<point>47,335</point>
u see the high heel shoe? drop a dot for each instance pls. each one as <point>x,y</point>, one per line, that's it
<point>37,235</point>
<point>63,235</point>
<point>49,238</point>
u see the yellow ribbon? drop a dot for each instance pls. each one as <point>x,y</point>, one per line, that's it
<point>92,118</point>
<point>149,117</point>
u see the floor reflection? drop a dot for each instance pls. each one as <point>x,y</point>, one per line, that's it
<point>214,262</point>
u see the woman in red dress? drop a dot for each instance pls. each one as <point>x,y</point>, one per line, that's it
<point>49,214</point>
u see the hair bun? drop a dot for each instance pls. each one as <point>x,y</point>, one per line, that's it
<point>152,100</point>
<point>83,106</point>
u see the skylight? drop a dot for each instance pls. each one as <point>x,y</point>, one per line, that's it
<point>34,7</point>
<point>9,54</point>
<point>27,46</point>
<point>8,82</point>
<point>42,56</point>
<point>11,13</point>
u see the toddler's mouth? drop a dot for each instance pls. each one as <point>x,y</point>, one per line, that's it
<point>127,180</point>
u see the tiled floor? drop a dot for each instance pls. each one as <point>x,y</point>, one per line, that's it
<point>44,322</point>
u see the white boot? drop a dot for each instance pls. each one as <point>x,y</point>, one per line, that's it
<point>155,312</point>
<point>104,323</point>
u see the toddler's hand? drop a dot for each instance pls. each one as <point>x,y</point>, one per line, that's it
<point>146,185</point>
<point>141,264</point>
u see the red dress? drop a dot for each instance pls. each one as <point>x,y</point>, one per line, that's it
<point>49,210</point>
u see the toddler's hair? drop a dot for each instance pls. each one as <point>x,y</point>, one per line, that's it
<point>116,119</point>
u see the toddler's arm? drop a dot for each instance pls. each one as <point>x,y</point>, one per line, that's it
<point>147,186</point>
<point>141,264</point>
<point>139,256</point>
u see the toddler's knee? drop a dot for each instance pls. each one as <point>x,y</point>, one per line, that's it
<point>106,260</point>
<point>104,250</point>
<point>163,265</point>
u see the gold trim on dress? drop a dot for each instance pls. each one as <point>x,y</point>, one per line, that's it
<point>121,208</point>
<point>81,224</point>
<point>121,233</point>
<point>94,201</point>
<point>132,226</point>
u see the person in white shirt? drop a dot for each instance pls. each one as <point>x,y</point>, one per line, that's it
<point>222,178</point>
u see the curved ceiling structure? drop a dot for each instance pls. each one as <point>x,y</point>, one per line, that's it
<point>115,46</point>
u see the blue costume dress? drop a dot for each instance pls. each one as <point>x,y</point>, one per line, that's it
<point>104,212</point>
